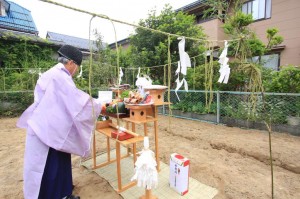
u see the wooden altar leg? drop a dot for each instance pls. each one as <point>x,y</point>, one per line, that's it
<point>118,166</point>
<point>148,195</point>
<point>145,129</point>
<point>128,148</point>
<point>133,127</point>
<point>134,145</point>
<point>108,148</point>
<point>94,150</point>
<point>134,152</point>
<point>156,140</point>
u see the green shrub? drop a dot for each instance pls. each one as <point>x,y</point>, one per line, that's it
<point>287,80</point>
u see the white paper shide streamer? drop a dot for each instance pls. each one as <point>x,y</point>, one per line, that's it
<point>80,73</point>
<point>40,72</point>
<point>145,168</point>
<point>34,71</point>
<point>120,75</point>
<point>142,81</point>
<point>184,62</point>
<point>224,68</point>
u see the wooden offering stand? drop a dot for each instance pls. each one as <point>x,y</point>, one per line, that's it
<point>148,195</point>
<point>106,128</point>
<point>157,93</point>
<point>138,114</point>
<point>143,114</point>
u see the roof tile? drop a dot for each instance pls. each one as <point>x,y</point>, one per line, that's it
<point>18,18</point>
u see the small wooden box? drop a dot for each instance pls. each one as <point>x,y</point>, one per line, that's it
<point>150,112</point>
<point>157,94</point>
<point>138,113</point>
<point>103,124</point>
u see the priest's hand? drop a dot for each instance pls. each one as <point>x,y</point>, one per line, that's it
<point>103,108</point>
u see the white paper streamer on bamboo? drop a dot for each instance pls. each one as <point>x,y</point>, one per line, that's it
<point>178,68</point>
<point>120,75</point>
<point>40,72</point>
<point>184,62</point>
<point>34,71</point>
<point>224,67</point>
<point>145,168</point>
<point>142,82</point>
<point>179,84</point>
<point>80,73</point>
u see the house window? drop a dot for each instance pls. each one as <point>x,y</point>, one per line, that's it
<point>260,9</point>
<point>271,61</point>
<point>2,10</point>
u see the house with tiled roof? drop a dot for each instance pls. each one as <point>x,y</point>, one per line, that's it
<point>16,18</point>
<point>80,43</point>
<point>283,15</point>
<point>124,43</point>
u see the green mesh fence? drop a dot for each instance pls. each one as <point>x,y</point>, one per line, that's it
<point>14,103</point>
<point>241,109</point>
<point>282,110</point>
<point>191,105</point>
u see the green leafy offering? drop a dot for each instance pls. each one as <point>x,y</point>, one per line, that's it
<point>125,94</point>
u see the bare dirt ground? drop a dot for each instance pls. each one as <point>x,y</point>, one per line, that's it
<point>233,160</point>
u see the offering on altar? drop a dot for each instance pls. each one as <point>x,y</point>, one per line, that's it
<point>136,98</point>
<point>116,105</point>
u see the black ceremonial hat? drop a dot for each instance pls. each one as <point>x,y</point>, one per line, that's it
<point>72,53</point>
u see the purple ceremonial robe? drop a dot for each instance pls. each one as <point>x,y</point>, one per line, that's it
<point>60,118</point>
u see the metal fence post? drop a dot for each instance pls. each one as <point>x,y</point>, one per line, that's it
<point>218,107</point>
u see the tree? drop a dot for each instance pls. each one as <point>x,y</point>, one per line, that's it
<point>150,48</point>
<point>103,64</point>
<point>246,45</point>
<point>196,78</point>
<point>216,8</point>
